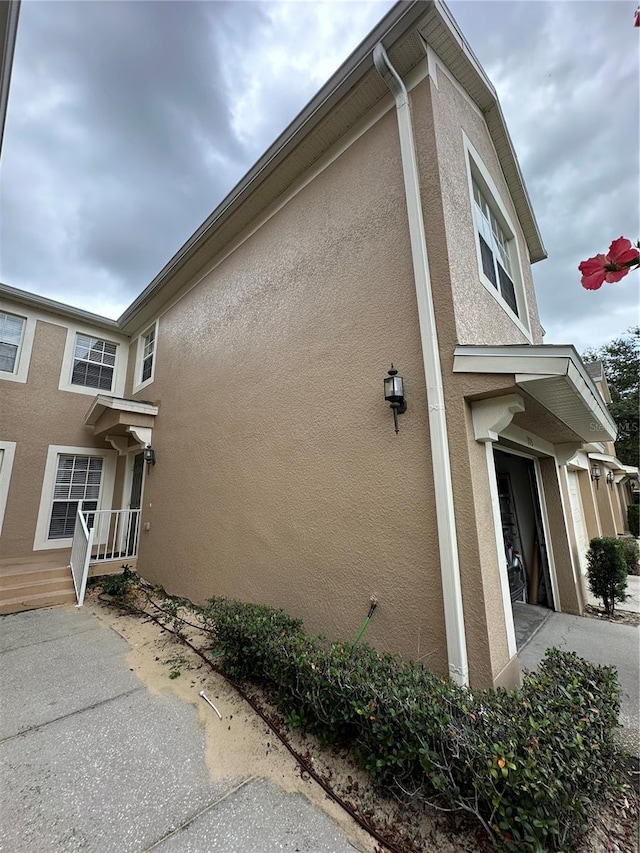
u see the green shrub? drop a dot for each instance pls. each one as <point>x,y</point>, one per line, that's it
<point>631,554</point>
<point>119,585</point>
<point>633,519</point>
<point>607,571</point>
<point>526,763</point>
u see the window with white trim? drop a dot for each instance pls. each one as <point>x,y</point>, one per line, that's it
<point>78,478</point>
<point>11,331</point>
<point>494,249</point>
<point>148,353</point>
<point>93,363</point>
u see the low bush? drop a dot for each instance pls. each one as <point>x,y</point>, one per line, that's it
<point>631,555</point>
<point>633,519</point>
<point>607,571</point>
<point>119,585</point>
<point>526,763</point>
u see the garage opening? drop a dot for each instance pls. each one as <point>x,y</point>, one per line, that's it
<point>522,529</point>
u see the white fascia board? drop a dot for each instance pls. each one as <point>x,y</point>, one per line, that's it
<point>102,402</point>
<point>33,300</point>
<point>531,363</point>
<point>613,462</point>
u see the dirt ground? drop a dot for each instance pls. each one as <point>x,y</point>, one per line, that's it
<point>242,745</point>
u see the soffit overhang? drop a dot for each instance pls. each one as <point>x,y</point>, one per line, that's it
<point>346,98</point>
<point>552,375</point>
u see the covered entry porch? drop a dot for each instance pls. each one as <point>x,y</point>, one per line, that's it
<point>547,409</point>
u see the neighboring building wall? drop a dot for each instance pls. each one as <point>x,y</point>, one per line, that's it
<point>279,476</point>
<point>35,414</point>
<point>608,522</point>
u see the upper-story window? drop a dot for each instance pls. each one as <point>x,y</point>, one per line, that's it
<point>494,249</point>
<point>93,363</point>
<point>11,330</point>
<point>148,352</point>
<point>145,354</point>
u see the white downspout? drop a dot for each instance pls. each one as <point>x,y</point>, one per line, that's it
<point>449,563</point>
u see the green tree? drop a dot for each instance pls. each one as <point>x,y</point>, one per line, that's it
<point>621,360</point>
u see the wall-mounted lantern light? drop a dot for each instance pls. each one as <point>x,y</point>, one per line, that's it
<point>596,473</point>
<point>394,394</point>
<point>149,455</point>
<point>610,478</point>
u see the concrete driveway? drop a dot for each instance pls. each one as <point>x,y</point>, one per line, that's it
<point>90,760</point>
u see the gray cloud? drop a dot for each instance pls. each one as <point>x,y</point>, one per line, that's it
<point>130,121</point>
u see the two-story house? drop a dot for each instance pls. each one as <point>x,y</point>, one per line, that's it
<point>388,225</point>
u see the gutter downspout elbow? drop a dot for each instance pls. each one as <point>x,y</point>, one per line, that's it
<point>447,538</point>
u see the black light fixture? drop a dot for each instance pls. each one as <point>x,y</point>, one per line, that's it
<point>394,394</point>
<point>610,478</point>
<point>596,473</point>
<point>149,455</point>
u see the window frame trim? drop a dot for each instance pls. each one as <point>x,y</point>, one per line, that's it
<point>119,369</point>
<point>105,501</point>
<point>7,458</point>
<point>139,359</point>
<point>20,370</point>
<point>473,163</point>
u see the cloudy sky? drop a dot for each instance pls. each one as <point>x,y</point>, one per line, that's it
<point>129,122</point>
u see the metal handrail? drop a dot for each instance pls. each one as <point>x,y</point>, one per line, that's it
<point>116,533</point>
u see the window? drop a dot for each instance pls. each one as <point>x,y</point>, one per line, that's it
<point>494,249</point>
<point>11,328</point>
<point>72,474</point>
<point>148,350</point>
<point>93,363</point>
<point>77,479</point>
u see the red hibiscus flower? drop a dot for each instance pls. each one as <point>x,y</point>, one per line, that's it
<point>610,267</point>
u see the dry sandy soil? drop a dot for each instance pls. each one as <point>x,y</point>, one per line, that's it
<point>242,745</point>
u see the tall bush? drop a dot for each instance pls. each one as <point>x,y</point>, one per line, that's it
<point>607,571</point>
<point>631,555</point>
<point>633,519</point>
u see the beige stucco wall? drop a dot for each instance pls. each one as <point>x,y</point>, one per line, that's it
<point>279,476</point>
<point>35,415</point>
<point>479,318</point>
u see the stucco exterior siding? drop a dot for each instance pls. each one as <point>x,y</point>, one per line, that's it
<point>479,318</point>
<point>287,484</point>
<point>35,415</point>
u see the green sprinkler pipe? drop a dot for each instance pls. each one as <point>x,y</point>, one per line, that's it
<point>374,604</point>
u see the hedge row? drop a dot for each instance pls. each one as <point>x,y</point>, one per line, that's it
<point>527,763</point>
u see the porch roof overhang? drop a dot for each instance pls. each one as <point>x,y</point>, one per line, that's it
<point>118,420</point>
<point>553,375</point>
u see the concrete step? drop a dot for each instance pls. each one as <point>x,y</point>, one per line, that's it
<point>33,602</point>
<point>35,561</point>
<point>33,575</point>
<point>25,587</point>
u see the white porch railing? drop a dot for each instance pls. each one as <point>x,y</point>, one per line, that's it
<point>115,533</point>
<point>100,535</point>
<point>80,555</point>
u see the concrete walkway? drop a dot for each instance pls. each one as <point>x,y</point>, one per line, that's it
<point>90,760</point>
<point>601,642</point>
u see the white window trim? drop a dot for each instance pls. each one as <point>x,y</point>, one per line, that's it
<point>21,368</point>
<point>138,386</point>
<point>41,541</point>
<point>7,455</point>
<point>119,370</point>
<point>474,163</point>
